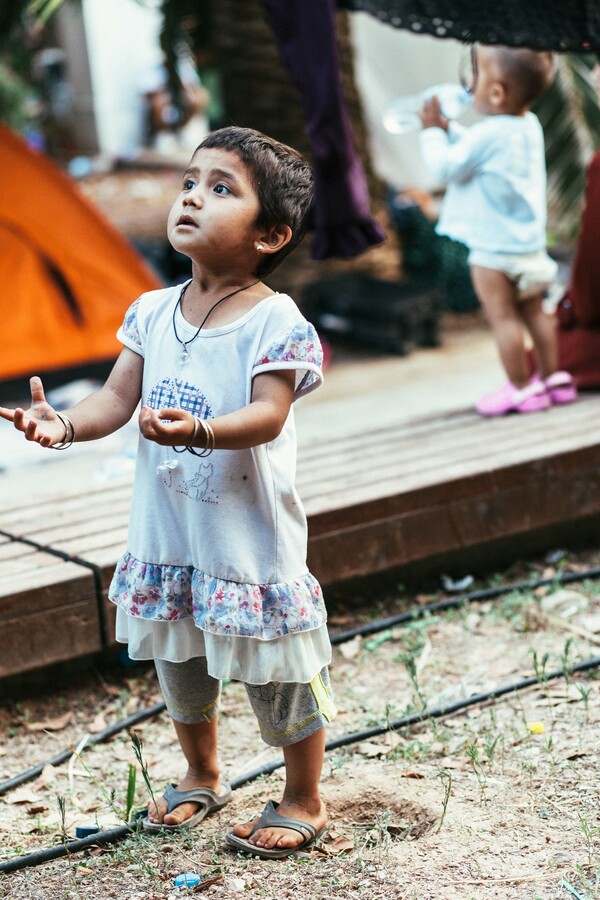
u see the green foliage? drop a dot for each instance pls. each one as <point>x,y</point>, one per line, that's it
<point>15,98</point>
<point>570,116</point>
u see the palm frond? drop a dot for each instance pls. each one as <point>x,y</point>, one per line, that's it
<point>570,116</point>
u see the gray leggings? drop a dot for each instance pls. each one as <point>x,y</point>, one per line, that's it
<point>286,712</point>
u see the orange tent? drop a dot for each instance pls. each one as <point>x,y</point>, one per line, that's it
<point>66,274</point>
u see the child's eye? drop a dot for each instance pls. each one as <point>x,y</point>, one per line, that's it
<point>188,184</point>
<point>221,189</point>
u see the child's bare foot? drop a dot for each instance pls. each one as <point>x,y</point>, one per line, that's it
<point>158,812</point>
<point>279,837</point>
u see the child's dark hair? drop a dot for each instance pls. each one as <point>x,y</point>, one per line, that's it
<point>529,71</point>
<point>283,181</point>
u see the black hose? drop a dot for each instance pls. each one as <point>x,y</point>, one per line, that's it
<point>418,612</point>
<point>339,638</point>
<point>117,834</point>
<point>64,755</point>
<point>66,849</point>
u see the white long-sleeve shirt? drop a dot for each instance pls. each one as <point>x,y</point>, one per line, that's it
<point>495,174</point>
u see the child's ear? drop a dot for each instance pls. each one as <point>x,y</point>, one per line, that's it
<point>276,238</point>
<point>497,94</point>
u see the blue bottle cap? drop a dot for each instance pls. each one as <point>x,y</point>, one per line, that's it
<point>188,879</point>
<point>83,831</point>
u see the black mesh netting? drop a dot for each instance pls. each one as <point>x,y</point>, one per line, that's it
<point>561,25</point>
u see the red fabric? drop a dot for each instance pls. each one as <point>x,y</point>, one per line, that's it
<point>579,354</point>
<point>578,312</point>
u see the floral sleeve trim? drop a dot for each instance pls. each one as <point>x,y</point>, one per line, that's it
<point>129,333</point>
<point>164,593</point>
<point>301,350</point>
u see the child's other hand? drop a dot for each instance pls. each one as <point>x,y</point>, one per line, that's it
<point>167,427</point>
<point>431,114</point>
<point>39,423</point>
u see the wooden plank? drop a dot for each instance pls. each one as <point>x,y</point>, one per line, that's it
<point>373,544</point>
<point>74,508</point>
<point>409,491</point>
<point>48,614</point>
<point>389,472</point>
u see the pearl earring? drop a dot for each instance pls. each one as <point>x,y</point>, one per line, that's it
<point>259,248</point>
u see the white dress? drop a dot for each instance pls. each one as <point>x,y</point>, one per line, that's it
<point>215,563</point>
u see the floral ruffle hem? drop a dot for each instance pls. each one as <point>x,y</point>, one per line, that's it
<point>165,593</point>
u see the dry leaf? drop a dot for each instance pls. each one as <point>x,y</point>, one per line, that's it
<point>82,870</point>
<point>56,724</point>
<point>351,649</point>
<point>23,795</point>
<point>98,724</point>
<point>111,689</point>
<point>338,845</point>
<point>208,882</point>
<point>46,777</point>
<point>366,748</point>
<point>36,810</point>
<point>411,774</point>
<point>391,741</point>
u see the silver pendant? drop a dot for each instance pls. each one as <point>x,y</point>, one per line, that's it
<point>185,356</point>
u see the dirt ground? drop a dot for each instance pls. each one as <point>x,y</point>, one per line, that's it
<point>498,801</point>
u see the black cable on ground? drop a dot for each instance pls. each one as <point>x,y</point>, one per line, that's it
<point>117,834</point>
<point>491,593</point>
<point>336,639</point>
<point>50,853</point>
<point>64,755</point>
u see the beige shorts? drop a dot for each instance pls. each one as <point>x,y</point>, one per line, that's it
<point>529,271</point>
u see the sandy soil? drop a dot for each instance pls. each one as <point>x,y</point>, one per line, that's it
<point>499,801</point>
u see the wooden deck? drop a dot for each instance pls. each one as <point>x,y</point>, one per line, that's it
<point>377,497</point>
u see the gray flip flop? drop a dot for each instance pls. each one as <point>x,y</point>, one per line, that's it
<point>270,818</point>
<point>208,802</point>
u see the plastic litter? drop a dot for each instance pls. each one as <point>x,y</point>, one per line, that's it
<point>458,584</point>
<point>83,831</point>
<point>188,880</point>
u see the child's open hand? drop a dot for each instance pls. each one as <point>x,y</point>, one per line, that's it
<point>167,427</point>
<point>39,423</point>
<point>431,116</point>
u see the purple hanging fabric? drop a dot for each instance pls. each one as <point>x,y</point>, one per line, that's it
<point>342,221</point>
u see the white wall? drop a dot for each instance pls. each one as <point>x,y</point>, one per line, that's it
<point>391,62</point>
<point>122,41</point>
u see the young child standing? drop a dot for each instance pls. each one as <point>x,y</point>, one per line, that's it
<point>213,584</point>
<point>495,203</point>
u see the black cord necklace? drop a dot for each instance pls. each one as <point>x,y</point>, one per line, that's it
<point>185,354</point>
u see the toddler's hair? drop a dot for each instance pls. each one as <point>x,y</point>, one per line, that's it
<point>283,181</point>
<point>528,72</point>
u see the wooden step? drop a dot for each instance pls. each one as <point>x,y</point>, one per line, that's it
<point>375,499</point>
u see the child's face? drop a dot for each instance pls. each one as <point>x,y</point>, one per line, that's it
<point>213,220</point>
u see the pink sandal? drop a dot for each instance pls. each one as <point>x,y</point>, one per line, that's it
<point>561,388</point>
<point>532,398</point>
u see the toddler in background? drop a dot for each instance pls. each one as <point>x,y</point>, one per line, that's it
<point>495,203</point>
